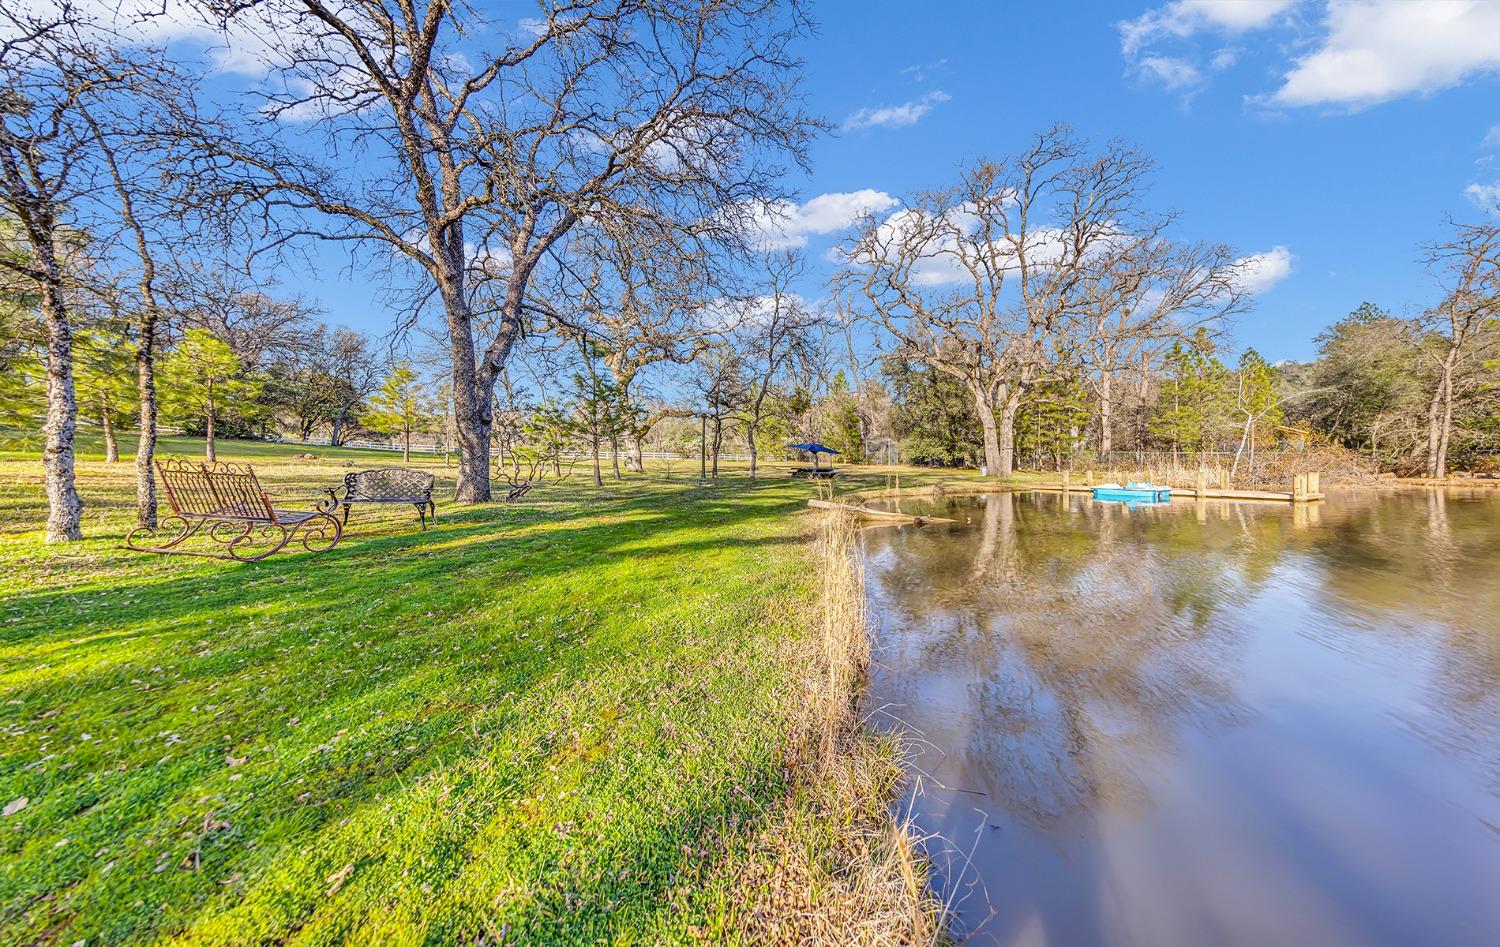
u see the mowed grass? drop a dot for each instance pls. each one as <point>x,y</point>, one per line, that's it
<point>551,721</point>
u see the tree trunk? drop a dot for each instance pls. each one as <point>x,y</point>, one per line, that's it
<point>614,455</point>
<point>594,449</point>
<point>636,462</point>
<point>111,449</point>
<point>1106,413</point>
<point>64,505</point>
<point>752,450</point>
<point>1008,410</point>
<point>1439,416</point>
<point>406,446</point>
<point>718,439</point>
<point>336,431</point>
<point>145,353</point>
<point>145,448</point>
<point>1447,431</point>
<point>210,449</point>
<point>473,392</point>
<point>984,404</point>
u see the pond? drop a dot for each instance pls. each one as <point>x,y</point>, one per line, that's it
<point>1198,723</point>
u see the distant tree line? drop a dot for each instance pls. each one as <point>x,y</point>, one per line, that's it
<point>582,270</point>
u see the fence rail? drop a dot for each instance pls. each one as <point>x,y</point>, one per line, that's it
<point>365,444</point>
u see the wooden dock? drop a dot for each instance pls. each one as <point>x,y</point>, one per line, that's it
<point>1306,488</point>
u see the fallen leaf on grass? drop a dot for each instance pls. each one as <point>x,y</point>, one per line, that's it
<point>16,805</point>
<point>336,880</point>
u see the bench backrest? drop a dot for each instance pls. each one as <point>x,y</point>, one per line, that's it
<point>387,483</point>
<point>214,489</point>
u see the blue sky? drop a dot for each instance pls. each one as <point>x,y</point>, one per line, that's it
<point>1333,137</point>
<point>1350,185</point>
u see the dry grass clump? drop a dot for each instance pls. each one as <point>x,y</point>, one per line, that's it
<point>834,866</point>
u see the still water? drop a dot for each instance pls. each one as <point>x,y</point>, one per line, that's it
<point>1201,723</point>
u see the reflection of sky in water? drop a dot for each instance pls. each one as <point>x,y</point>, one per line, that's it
<point>1202,723</point>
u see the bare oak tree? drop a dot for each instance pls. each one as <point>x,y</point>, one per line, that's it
<point>675,113</point>
<point>1142,292</point>
<point>1459,331</point>
<point>44,169</point>
<point>977,281</point>
<point>774,329</point>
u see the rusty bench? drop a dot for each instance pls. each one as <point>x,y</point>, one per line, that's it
<point>387,485</point>
<point>228,500</point>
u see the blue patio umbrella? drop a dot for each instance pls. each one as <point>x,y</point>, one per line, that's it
<point>815,449</point>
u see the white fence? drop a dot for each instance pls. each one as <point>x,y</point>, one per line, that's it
<point>574,455</point>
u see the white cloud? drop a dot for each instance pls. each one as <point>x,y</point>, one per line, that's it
<point>1491,138</point>
<point>896,116</point>
<point>784,224</point>
<point>948,247</point>
<point>1486,196</point>
<point>162,22</point>
<point>1377,50</point>
<point>1183,18</point>
<point>919,72</point>
<point>1224,58</point>
<point>1259,272</point>
<point>1169,71</point>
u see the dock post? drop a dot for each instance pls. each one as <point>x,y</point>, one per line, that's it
<point>1299,488</point>
<point>1067,475</point>
<point>1088,478</point>
<point>1202,486</point>
<point>1299,515</point>
<point>1314,483</point>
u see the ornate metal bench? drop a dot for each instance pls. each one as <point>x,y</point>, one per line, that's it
<point>387,485</point>
<point>228,499</point>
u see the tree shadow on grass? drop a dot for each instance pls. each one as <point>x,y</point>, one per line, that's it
<point>389,634</point>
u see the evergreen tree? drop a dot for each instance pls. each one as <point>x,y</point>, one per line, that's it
<point>843,426</point>
<point>401,405</point>
<point>597,414</point>
<point>1191,411</point>
<point>1052,419</point>
<point>201,381</point>
<point>104,376</point>
<point>934,416</point>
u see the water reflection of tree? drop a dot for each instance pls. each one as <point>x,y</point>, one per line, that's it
<point>1085,634</point>
<point>1078,643</point>
<point>1084,627</point>
<point>1423,569</point>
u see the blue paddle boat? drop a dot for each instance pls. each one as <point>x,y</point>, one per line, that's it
<point>1133,493</point>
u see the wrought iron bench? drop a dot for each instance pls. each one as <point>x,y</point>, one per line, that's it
<point>387,485</point>
<point>228,499</point>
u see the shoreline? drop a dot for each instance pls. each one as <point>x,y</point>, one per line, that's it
<point>839,834</point>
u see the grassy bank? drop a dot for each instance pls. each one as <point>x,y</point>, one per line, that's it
<point>595,715</point>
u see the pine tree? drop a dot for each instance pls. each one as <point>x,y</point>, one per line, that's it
<point>200,381</point>
<point>401,405</point>
<point>104,377</point>
<point>1195,391</point>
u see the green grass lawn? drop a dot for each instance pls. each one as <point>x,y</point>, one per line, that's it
<point>561,720</point>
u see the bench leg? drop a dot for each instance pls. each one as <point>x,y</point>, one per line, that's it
<point>346,506</point>
<point>422,513</point>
